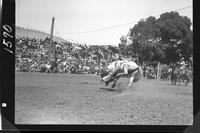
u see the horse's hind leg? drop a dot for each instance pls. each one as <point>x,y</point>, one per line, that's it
<point>186,83</point>
<point>130,82</point>
<point>180,81</point>
<point>175,80</point>
<point>172,80</point>
<point>187,80</point>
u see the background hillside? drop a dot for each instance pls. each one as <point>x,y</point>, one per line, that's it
<point>23,32</point>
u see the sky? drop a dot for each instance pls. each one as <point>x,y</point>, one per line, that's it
<point>93,22</point>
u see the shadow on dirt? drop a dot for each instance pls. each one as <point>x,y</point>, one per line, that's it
<point>111,89</point>
<point>176,84</point>
<point>84,82</point>
<point>185,93</point>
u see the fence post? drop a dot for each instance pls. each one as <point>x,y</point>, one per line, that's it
<point>158,70</point>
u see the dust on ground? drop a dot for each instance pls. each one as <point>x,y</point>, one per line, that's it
<point>81,99</point>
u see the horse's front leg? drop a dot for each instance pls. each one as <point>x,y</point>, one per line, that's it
<point>110,80</point>
<point>115,81</point>
<point>172,80</point>
<point>114,84</point>
<point>179,80</point>
<point>187,81</point>
<point>175,80</point>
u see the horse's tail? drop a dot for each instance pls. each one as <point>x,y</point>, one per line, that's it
<point>138,75</point>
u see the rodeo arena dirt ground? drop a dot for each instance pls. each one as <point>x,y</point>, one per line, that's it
<point>42,98</point>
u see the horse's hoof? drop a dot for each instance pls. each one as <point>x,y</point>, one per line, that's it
<point>106,83</point>
<point>126,88</point>
<point>113,86</point>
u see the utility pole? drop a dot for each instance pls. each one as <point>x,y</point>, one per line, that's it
<point>51,38</point>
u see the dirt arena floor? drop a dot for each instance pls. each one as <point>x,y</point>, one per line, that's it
<point>42,98</point>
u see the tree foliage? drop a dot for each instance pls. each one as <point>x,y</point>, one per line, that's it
<point>165,39</point>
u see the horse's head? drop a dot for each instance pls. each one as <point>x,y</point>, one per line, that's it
<point>104,73</point>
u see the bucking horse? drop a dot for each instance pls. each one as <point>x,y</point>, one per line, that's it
<point>121,68</point>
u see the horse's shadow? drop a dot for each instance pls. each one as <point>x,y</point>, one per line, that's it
<point>111,89</point>
<point>170,84</point>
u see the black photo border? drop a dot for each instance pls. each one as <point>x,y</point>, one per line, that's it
<point>7,84</point>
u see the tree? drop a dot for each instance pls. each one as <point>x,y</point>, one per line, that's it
<point>175,32</point>
<point>165,39</point>
<point>146,40</point>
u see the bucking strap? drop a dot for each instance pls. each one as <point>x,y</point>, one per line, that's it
<point>133,70</point>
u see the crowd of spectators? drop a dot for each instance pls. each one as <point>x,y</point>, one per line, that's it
<point>32,54</point>
<point>36,55</point>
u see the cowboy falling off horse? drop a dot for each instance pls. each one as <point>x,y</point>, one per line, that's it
<point>121,68</point>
